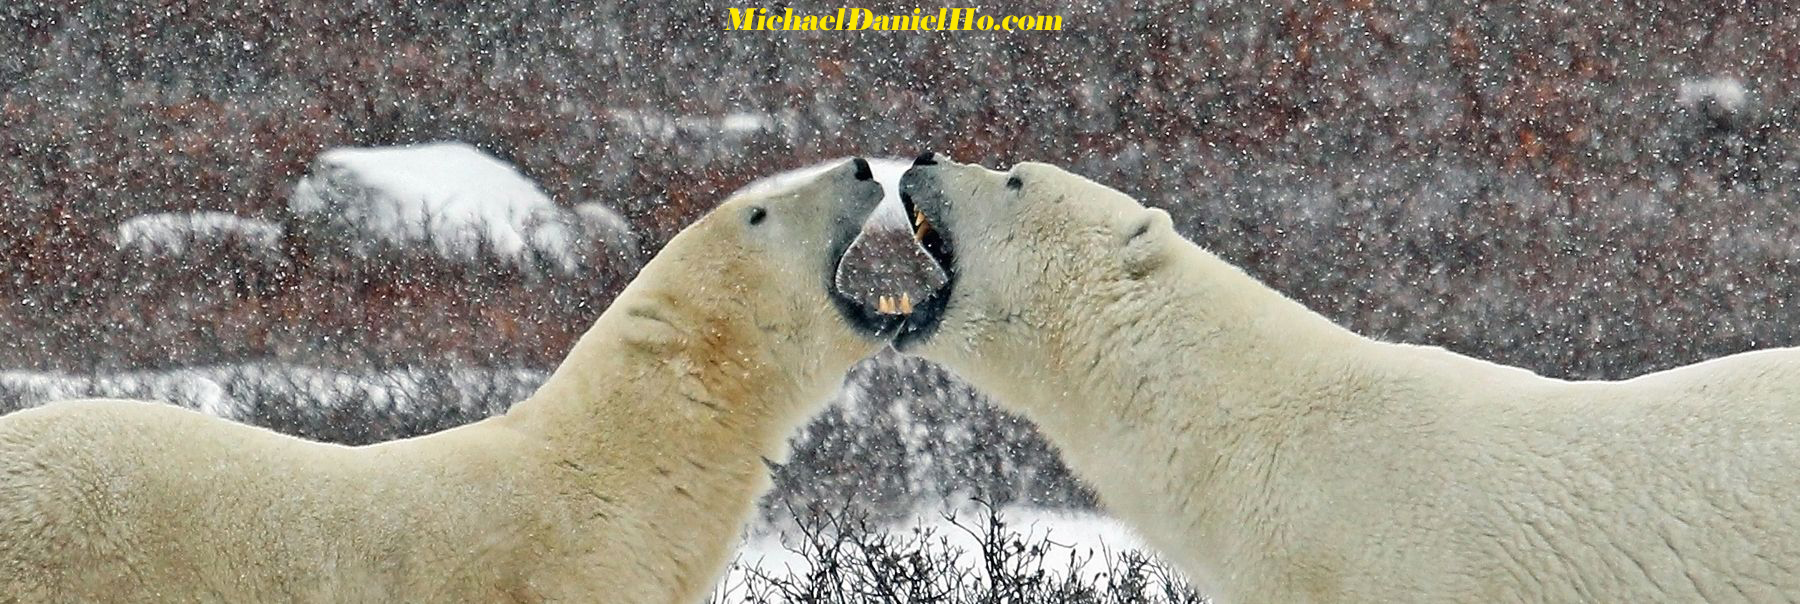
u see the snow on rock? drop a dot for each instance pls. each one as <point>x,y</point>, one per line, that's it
<point>611,228</point>
<point>663,126</point>
<point>1717,94</point>
<point>462,202</point>
<point>174,234</point>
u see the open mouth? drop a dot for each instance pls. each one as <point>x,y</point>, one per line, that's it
<point>889,279</point>
<point>922,317</point>
<point>894,275</point>
<point>867,318</point>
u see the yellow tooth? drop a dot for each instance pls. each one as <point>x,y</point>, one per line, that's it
<point>905,303</point>
<point>921,228</point>
<point>918,218</point>
<point>885,306</point>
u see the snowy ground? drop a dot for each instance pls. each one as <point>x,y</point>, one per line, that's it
<point>1081,546</point>
<point>470,206</point>
<point>1086,536</point>
<point>240,392</point>
<point>1016,555</point>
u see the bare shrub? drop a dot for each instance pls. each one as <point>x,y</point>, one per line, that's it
<point>847,559</point>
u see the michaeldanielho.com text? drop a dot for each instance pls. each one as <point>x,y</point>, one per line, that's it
<point>855,19</point>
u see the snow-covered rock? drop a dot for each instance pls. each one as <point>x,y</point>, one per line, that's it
<point>662,126</point>
<point>175,234</point>
<point>1716,95</point>
<point>610,228</point>
<point>465,204</point>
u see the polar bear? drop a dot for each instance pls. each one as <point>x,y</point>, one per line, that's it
<point>625,478</point>
<point>1277,457</point>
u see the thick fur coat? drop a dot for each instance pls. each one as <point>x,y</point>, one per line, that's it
<point>1280,458</point>
<point>626,478</point>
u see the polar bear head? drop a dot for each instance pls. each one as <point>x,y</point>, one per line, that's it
<point>1030,252</point>
<point>753,279</point>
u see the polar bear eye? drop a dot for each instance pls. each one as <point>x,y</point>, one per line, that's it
<point>1014,183</point>
<point>757,214</point>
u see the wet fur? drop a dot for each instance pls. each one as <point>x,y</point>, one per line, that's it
<point>1280,458</point>
<point>626,478</point>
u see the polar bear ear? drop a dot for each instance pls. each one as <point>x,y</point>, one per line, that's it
<point>1144,241</point>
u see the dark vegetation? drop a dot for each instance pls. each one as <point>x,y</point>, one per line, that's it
<point>848,560</point>
<point>1525,181</point>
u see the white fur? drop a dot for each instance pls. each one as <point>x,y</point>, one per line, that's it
<point>625,478</point>
<point>1280,458</point>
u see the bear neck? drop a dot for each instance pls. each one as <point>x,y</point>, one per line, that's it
<point>671,403</point>
<point>1179,394</point>
<point>688,361</point>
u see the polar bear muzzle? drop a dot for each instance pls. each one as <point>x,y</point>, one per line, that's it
<point>856,273</point>
<point>923,200</point>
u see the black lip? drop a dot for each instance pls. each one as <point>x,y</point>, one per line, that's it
<point>860,318</point>
<point>926,316</point>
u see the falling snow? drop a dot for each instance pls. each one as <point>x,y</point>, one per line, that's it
<point>293,214</point>
<point>449,196</point>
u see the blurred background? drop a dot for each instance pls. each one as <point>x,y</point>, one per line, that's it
<point>1586,189</point>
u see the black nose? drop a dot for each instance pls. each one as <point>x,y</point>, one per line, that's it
<point>925,159</point>
<point>862,169</point>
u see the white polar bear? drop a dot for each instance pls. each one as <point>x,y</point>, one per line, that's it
<point>625,478</point>
<point>1280,458</point>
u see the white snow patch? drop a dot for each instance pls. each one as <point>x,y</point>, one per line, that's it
<point>461,201</point>
<point>663,126</point>
<point>1724,92</point>
<point>1096,538</point>
<point>187,388</point>
<point>172,233</point>
<point>746,122</point>
<point>601,221</point>
<point>224,390</point>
